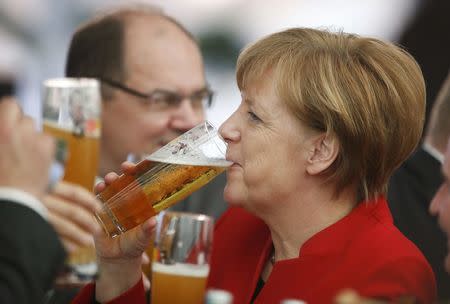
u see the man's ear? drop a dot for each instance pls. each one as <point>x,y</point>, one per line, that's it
<point>323,152</point>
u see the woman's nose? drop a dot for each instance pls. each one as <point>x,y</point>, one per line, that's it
<point>229,131</point>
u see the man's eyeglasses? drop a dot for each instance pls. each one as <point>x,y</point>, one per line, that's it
<point>161,99</point>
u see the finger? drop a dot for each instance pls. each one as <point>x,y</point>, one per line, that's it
<point>78,195</point>
<point>99,187</point>
<point>138,239</point>
<point>69,246</point>
<point>10,113</point>
<point>127,165</point>
<point>148,227</point>
<point>146,282</point>
<point>110,177</point>
<point>145,259</point>
<point>72,212</point>
<point>145,232</point>
<point>69,231</point>
<point>10,109</point>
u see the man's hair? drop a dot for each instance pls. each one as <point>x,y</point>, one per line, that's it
<point>97,47</point>
<point>367,93</point>
<point>438,130</point>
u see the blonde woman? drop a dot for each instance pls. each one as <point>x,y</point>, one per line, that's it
<point>325,119</point>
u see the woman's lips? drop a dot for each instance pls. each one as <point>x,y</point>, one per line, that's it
<point>235,165</point>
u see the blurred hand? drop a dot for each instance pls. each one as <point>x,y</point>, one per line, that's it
<point>120,259</point>
<point>26,154</point>
<point>349,296</point>
<point>71,209</point>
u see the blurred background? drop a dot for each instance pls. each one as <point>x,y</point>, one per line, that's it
<point>34,36</point>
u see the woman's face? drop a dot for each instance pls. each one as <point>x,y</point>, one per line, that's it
<point>268,147</point>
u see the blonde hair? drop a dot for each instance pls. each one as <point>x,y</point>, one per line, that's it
<point>367,93</point>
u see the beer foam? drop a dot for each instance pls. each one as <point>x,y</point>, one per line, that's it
<point>200,146</point>
<point>191,161</point>
<point>179,269</point>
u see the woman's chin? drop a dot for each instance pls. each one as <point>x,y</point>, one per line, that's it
<point>232,196</point>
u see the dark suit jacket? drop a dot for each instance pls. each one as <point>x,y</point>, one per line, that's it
<point>426,39</point>
<point>411,189</point>
<point>30,255</point>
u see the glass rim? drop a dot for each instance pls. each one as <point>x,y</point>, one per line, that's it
<point>190,215</point>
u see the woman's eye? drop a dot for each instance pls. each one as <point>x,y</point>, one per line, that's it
<point>253,116</point>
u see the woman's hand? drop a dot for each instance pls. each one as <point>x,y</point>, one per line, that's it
<point>120,258</point>
<point>71,213</point>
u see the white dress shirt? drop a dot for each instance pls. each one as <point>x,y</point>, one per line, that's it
<point>433,152</point>
<point>23,198</point>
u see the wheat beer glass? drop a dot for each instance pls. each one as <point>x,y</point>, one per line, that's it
<point>181,254</point>
<point>163,178</point>
<point>71,114</point>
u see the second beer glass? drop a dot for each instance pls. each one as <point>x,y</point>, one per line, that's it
<point>71,114</point>
<point>181,258</point>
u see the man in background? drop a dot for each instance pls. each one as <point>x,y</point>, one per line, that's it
<point>153,88</point>
<point>413,186</point>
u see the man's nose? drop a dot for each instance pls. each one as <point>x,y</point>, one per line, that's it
<point>185,117</point>
<point>435,203</point>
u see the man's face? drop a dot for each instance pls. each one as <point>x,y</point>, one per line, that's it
<point>158,56</point>
<point>440,205</point>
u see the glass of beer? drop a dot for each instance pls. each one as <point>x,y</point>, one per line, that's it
<point>181,255</point>
<point>71,114</point>
<point>163,178</point>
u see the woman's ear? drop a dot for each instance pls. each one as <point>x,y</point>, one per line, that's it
<point>324,151</point>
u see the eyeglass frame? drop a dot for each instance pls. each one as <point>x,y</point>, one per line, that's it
<point>148,97</point>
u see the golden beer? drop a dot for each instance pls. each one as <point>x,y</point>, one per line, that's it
<point>71,114</point>
<point>178,283</point>
<point>151,188</point>
<point>82,161</point>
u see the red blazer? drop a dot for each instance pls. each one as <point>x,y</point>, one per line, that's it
<point>363,251</point>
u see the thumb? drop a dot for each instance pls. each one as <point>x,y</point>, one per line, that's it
<point>146,282</point>
<point>139,238</point>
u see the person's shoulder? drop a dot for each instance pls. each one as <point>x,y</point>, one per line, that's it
<point>392,264</point>
<point>384,242</point>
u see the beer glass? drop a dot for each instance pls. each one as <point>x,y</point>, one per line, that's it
<point>163,178</point>
<point>71,114</point>
<point>181,258</point>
